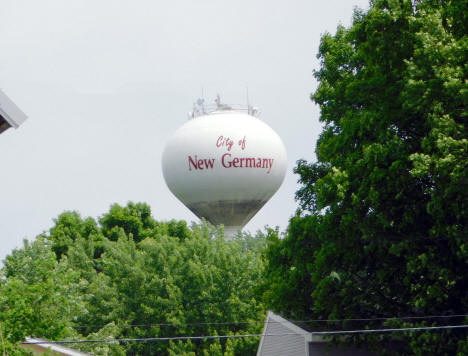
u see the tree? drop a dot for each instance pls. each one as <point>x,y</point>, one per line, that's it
<point>37,295</point>
<point>195,284</point>
<point>382,225</point>
<point>68,227</point>
<point>130,276</point>
<point>134,219</point>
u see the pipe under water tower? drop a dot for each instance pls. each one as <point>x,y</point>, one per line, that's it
<point>224,164</point>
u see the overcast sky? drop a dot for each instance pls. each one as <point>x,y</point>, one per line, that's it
<point>105,84</point>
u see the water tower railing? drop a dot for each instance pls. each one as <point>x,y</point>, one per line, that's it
<point>206,109</point>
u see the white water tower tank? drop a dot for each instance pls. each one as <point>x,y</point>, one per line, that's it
<point>224,165</point>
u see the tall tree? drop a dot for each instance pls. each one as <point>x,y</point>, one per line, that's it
<point>382,226</point>
<point>130,276</point>
<point>37,295</point>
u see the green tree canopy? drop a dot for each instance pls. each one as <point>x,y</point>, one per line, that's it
<point>382,225</point>
<point>130,276</point>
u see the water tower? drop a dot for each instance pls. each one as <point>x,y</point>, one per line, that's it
<point>224,164</point>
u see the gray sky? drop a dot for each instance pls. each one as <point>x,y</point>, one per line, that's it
<point>105,83</point>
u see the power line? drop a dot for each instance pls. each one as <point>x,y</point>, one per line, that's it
<point>181,338</point>
<point>175,338</point>
<point>391,318</point>
<point>290,320</point>
<point>366,331</point>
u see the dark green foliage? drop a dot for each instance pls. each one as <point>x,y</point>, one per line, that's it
<point>382,230</point>
<point>68,227</point>
<point>134,220</point>
<point>92,280</point>
<point>36,293</point>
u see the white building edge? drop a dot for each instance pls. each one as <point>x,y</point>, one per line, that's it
<point>10,114</point>
<point>41,347</point>
<point>282,337</point>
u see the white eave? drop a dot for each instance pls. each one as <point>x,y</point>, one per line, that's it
<point>56,349</point>
<point>10,112</point>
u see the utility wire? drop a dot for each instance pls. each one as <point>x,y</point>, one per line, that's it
<point>175,338</point>
<point>342,332</point>
<point>263,321</point>
<point>148,339</point>
<point>390,318</point>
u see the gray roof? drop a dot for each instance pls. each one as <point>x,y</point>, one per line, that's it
<point>282,337</point>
